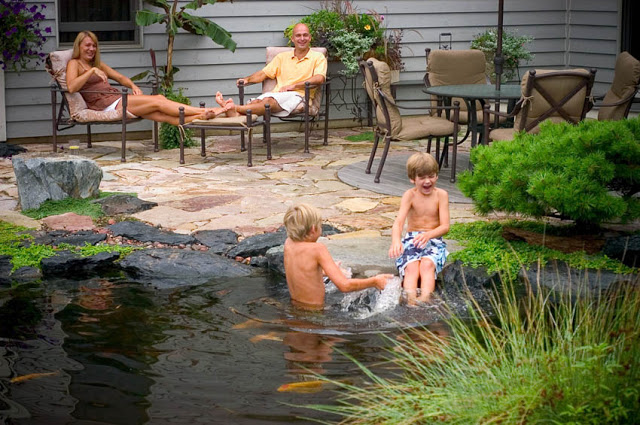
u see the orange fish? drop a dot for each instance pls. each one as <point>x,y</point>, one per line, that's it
<point>271,336</point>
<point>32,376</point>
<point>304,386</point>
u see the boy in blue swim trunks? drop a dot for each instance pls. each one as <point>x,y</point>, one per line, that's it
<point>421,254</point>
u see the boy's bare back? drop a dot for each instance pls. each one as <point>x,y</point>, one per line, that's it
<point>304,273</point>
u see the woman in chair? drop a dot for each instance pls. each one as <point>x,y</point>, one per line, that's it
<point>85,72</point>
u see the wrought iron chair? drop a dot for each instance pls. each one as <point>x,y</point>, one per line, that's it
<point>310,110</point>
<point>547,95</point>
<point>391,126</point>
<point>73,110</point>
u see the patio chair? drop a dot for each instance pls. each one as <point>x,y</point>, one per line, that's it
<point>73,110</point>
<point>547,95</point>
<point>616,103</point>
<point>393,127</point>
<point>453,67</point>
<point>310,110</point>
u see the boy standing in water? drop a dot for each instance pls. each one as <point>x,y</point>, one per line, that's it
<point>422,252</point>
<point>305,259</point>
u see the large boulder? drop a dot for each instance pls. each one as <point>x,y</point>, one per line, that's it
<point>177,267</point>
<point>56,178</point>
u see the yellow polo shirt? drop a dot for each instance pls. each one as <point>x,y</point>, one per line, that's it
<point>287,69</point>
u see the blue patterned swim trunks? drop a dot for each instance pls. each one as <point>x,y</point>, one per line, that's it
<point>435,250</point>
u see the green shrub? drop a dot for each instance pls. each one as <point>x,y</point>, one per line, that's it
<point>170,134</point>
<point>588,173</point>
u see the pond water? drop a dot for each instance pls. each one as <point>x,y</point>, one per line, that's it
<point>112,351</point>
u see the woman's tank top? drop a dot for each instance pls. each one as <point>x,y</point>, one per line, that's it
<point>99,101</point>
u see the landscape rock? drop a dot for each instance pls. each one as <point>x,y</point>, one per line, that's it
<point>69,221</point>
<point>7,150</point>
<point>557,275</point>
<point>258,244</point>
<point>123,204</point>
<point>26,274</point>
<point>5,270</point>
<point>175,267</point>
<point>624,248</point>
<point>275,259</point>
<point>73,266</point>
<point>40,179</point>
<point>456,275</point>
<point>363,255</point>
<point>219,241</point>
<point>145,233</point>
<point>57,237</point>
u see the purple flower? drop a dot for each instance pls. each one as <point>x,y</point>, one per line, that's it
<point>11,32</point>
<point>33,9</point>
<point>47,30</point>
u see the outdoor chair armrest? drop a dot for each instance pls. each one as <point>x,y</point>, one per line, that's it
<point>438,107</point>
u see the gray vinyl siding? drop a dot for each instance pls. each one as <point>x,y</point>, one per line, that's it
<point>593,38</point>
<point>591,25</point>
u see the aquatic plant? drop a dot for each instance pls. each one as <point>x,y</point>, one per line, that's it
<point>537,359</point>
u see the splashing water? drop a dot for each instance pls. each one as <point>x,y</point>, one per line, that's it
<point>369,302</point>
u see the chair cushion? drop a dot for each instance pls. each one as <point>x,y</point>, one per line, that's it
<point>238,121</point>
<point>78,110</point>
<point>384,80</point>
<point>625,81</point>
<point>423,126</point>
<point>447,67</point>
<point>558,87</point>
<point>269,84</point>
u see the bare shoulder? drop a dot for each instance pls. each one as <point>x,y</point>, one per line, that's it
<point>442,194</point>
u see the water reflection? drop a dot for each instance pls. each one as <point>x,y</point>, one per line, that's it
<point>308,352</point>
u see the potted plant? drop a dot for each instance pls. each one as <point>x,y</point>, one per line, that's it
<point>513,51</point>
<point>346,34</point>
<point>389,50</point>
<point>22,39</point>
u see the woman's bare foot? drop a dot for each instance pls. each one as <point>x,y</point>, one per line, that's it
<point>211,113</point>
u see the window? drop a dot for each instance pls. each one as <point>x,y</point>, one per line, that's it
<point>113,21</point>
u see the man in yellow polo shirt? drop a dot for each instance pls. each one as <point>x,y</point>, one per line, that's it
<point>291,70</point>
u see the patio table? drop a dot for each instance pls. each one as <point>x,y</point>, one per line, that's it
<point>472,92</point>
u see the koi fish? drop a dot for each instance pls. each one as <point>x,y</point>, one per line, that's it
<point>32,376</point>
<point>271,336</point>
<point>304,387</point>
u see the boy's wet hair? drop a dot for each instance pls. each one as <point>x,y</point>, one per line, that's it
<point>421,164</point>
<point>299,219</point>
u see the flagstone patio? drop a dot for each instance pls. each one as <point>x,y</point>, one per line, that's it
<point>220,192</point>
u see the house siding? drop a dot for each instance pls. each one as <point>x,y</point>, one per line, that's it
<point>567,33</point>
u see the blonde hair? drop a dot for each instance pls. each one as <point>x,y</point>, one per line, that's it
<point>421,164</point>
<point>299,219</point>
<point>76,46</point>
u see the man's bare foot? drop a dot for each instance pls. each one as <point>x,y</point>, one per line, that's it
<point>219,99</point>
<point>230,108</point>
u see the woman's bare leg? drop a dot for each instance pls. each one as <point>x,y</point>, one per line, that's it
<point>162,117</point>
<point>143,105</point>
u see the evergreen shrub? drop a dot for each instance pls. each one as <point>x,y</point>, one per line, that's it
<point>588,173</point>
